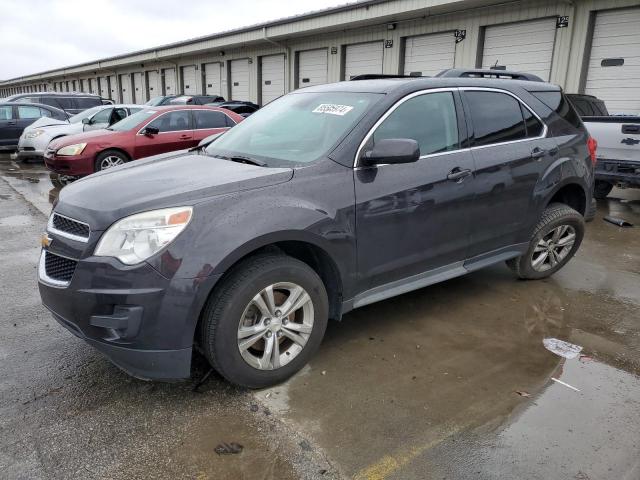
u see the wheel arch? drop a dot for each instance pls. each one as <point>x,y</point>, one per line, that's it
<point>113,149</point>
<point>570,193</point>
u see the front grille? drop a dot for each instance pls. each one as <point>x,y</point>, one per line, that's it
<point>59,268</point>
<point>70,226</point>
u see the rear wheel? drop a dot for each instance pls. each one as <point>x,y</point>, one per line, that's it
<point>265,321</point>
<point>602,189</point>
<point>555,240</point>
<point>109,159</point>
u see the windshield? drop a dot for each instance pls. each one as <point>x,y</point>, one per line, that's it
<point>78,117</point>
<point>132,121</point>
<point>297,128</point>
<point>155,101</point>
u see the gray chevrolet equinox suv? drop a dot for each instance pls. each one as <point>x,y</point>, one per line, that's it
<point>330,198</point>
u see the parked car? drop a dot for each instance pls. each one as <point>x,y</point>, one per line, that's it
<point>327,199</point>
<point>36,138</point>
<point>15,117</point>
<point>69,102</point>
<point>184,100</point>
<point>148,132</point>
<point>618,138</point>
<point>240,107</point>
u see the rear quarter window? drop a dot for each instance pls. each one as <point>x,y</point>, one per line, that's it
<point>556,101</point>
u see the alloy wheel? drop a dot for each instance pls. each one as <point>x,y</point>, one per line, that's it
<point>553,248</point>
<point>275,326</point>
<point>110,161</point>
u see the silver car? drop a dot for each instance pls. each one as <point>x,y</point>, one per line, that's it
<point>38,135</point>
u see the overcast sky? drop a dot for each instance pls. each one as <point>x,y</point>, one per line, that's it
<point>38,35</point>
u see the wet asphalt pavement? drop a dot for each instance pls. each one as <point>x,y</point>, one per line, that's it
<point>421,386</point>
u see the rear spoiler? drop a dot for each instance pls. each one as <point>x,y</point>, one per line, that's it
<point>488,73</point>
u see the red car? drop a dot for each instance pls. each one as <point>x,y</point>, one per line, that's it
<point>148,132</point>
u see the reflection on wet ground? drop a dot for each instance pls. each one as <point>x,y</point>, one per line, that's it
<point>426,385</point>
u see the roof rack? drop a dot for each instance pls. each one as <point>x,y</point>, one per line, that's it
<point>488,73</point>
<point>378,76</point>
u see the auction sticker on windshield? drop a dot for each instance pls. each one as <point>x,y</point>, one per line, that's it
<point>333,109</point>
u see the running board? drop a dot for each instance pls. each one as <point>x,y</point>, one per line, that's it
<point>436,275</point>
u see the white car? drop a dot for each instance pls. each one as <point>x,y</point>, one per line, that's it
<point>38,135</point>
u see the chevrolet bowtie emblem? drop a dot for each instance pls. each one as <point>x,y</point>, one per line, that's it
<point>46,240</point>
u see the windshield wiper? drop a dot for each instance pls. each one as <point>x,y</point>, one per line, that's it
<point>248,160</point>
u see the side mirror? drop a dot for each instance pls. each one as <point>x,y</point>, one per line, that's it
<point>86,121</point>
<point>392,150</point>
<point>150,131</point>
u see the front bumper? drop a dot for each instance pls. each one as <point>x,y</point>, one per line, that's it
<point>30,148</point>
<point>77,166</point>
<point>143,322</point>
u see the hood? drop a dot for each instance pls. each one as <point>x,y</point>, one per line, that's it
<point>158,182</point>
<point>45,122</point>
<point>102,135</point>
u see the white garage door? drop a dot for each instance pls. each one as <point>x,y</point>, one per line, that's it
<point>523,46</point>
<point>212,79</point>
<point>125,88</point>
<point>138,88</point>
<point>169,75</point>
<point>429,54</point>
<point>362,59</point>
<point>113,88</point>
<point>92,85</point>
<point>189,80</point>
<point>240,79</point>
<point>104,87</point>
<point>312,67</point>
<point>272,78</point>
<point>153,85</point>
<point>613,74</point>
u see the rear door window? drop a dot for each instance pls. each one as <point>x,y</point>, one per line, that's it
<point>533,125</point>
<point>496,117</point>
<point>210,119</point>
<point>66,103</point>
<point>428,119</point>
<point>25,112</point>
<point>51,101</point>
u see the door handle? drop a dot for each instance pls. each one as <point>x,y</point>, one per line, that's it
<point>538,152</point>
<point>11,123</point>
<point>458,174</point>
<point>186,137</point>
<point>632,129</point>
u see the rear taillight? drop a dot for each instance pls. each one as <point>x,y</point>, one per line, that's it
<point>592,145</point>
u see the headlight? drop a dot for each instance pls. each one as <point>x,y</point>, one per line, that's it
<point>34,133</point>
<point>135,238</point>
<point>72,149</point>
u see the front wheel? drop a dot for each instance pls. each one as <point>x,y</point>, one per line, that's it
<point>555,240</point>
<point>109,159</point>
<point>265,320</point>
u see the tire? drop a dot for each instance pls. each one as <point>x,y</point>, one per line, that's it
<point>602,189</point>
<point>232,307</point>
<point>557,219</point>
<point>109,159</point>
